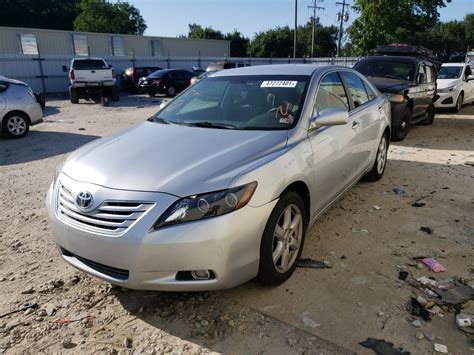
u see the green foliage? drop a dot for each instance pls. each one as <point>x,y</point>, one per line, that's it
<point>392,21</point>
<point>324,40</point>
<point>50,14</point>
<point>103,16</point>
<point>198,32</point>
<point>276,42</point>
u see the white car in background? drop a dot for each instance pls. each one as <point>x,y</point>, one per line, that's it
<point>455,85</point>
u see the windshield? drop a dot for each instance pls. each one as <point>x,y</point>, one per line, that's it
<point>89,64</point>
<point>399,70</point>
<point>239,102</point>
<point>449,72</point>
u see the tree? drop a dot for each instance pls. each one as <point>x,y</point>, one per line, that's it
<point>102,16</point>
<point>198,32</point>
<point>324,40</point>
<point>50,14</point>
<point>388,21</point>
<point>238,43</point>
<point>277,42</point>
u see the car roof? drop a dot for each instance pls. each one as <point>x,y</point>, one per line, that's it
<point>454,64</point>
<point>275,69</point>
<point>4,79</point>
<point>396,57</point>
<point>88,58</point>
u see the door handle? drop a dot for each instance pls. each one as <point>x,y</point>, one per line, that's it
<point>355,124</point>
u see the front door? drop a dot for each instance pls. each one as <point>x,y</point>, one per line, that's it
<point>331,146</point>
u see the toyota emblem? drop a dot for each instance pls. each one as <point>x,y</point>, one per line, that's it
<point>84,199</point>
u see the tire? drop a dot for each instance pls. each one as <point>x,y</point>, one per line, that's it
<point>115,93</point>
<point>459,102</point>
<point>151,93</point>
<point>16,125</point>
<point>74,95</point>
<point>380,161</point>
<point>289,243</point>
<point>430,115</point>
<point>171,91</point>
<point>400,129</point>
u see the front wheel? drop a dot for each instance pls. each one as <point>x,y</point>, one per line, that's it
<point>400,128</point>
<point>115,93</point>
<point>380,161</point>
<point>430,115</point>
<point>459,102</point>
<point>282,240</point>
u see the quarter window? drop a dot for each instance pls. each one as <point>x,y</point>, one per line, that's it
<point>356,88</point>
<point>331,94</point>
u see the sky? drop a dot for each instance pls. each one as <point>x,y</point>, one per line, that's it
<point>170,18</point>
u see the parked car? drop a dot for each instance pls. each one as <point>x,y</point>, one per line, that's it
<point>220,65</point>
<point>408,77</point>
<point>19,108</point>
<point>455,85</point>
<point>204,75</point>
<point>91,77</point>
<point>132,75</point>
<point>167,82</point>
<point>221,184</point>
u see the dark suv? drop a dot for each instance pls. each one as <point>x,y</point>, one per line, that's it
<point>168,82</point>
<point>407,75</point>
<point>132,75</point>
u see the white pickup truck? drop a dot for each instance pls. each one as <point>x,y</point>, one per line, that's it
<point>91,77</point>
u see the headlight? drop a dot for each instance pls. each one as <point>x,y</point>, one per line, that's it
<point>398,98</point>
<point>207,205</point>
<point>57,171</point>
<point>448,89</point>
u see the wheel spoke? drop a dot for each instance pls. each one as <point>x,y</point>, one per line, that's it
<point>294,244</point>
<point>279,233</point>
<point>295,222</point>
<point>285,258</point>
<point>278,252</point>
<point>287,218</point>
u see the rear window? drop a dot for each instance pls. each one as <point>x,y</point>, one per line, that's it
<point>159,74</point>
<point>89,64</point>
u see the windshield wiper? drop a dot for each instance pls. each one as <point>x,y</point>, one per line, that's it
<point>207,124</point>
<point>159,120</point>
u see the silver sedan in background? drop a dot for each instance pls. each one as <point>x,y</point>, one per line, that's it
<point>220,186</point>
<point>19,108</point>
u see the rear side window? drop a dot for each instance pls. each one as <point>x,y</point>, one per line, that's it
<point>158,74</point>
<point>89,64</point>
<point>3,87</point>
<point>370,92</point>
<point>331,94</point>
<point>356,88</point>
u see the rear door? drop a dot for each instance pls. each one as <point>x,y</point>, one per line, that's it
<point>364,119</point>
<point>469,85</point>
<point>3,91</point>
<point>331,146</point>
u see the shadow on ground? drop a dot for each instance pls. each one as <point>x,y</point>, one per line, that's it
<point>40,145</point>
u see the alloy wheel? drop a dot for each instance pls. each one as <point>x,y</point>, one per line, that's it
<point>382,155</point>
<point>16,125</point>
<point>287,238</point>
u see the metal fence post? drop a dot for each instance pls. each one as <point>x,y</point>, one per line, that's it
<point>41,76</point>
<point>168,60</point>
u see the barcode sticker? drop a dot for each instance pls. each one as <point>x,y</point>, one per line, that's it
<point>279,84</point>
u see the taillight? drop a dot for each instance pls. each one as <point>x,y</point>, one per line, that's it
<point>113,74</point>
<point>156,81</point>
<point>190,82</point>
<point>71,75</point>
<point>133,73</point>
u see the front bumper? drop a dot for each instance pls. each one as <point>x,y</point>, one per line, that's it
<point>229,245</point>
<point>446,100</point>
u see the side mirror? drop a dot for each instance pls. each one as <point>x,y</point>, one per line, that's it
<point>65,69</point>
<point>330,117</point>
<point>470,77</point>
<point>110,66</point>
<point>420,78</point>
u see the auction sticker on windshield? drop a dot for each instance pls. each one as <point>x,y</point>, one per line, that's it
<point>278,84</point>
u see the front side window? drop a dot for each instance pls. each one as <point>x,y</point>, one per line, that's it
<point>356,88</point>
<point>240,102</point>
<point>331,94</point>
<point>28,44</point>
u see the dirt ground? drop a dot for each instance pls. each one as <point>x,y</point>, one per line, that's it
<point>367,237</point>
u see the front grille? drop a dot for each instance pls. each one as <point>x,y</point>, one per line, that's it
<point>111,217</point>
<point>119,274</point>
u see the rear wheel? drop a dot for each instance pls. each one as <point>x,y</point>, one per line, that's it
<point>282,240</point>
<point>430,115</point>
<point>401,128</point>
<point>380,161</point>
<point>115,93</point>
<point>459,102</point>
<point>151,93</point>
<point>16,125</point>
<point>74,95</point>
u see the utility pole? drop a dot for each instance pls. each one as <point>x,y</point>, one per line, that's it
<point>296,28</point>
<point>314,7</point>
<point>342,17</point>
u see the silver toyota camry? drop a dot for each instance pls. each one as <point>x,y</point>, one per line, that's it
<point>220,186</point>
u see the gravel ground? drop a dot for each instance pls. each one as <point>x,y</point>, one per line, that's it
<point>367,237</point>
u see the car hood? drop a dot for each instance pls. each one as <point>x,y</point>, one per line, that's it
<point>178,160</point>
<point>444,83</point>
<point>389,85</point>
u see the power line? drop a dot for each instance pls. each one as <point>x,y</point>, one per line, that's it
<point>296,28</point>
<point>342,17</point>
<point>315,7</point>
